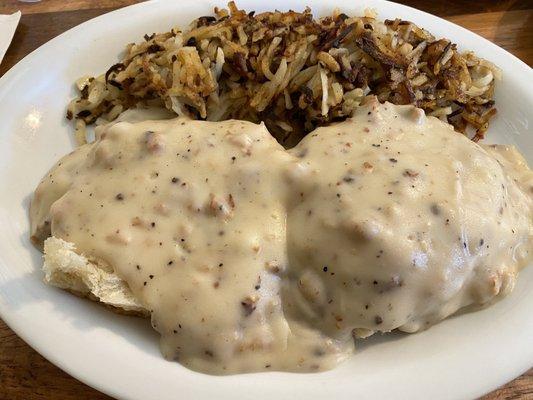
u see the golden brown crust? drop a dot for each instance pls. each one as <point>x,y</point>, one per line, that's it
<point>293,72</point>
<point>116,310</point>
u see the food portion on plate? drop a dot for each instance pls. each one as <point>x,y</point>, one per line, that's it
<point>292,72</point>
<point>249,256</point>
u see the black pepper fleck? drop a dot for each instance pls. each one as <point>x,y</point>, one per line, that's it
<point>249,306</point>
<point>348,179</point>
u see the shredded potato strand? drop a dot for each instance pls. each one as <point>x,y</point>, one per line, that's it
<point>291,71</point>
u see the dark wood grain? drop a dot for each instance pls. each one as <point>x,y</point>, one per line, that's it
<point>521,388</point>
<point>447,8</point>
<point>511,30</point>
<point>37,28</point>
<point>437,7</point>
<point>46,6</point>
<point>24,374</point>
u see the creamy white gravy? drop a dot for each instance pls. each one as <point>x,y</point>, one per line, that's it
<point>251,258</point>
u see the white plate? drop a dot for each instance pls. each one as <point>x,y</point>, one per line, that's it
<point>463,357</point>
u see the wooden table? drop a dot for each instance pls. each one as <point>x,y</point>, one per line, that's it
<point>24,374</point>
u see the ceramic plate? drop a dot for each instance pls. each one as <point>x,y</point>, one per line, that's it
<point>462,357</point>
